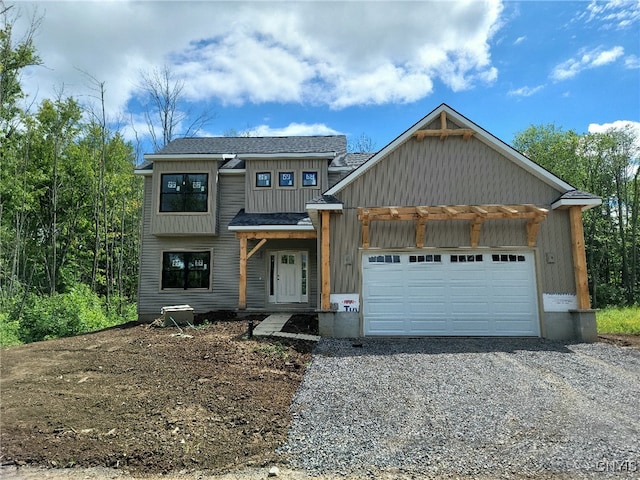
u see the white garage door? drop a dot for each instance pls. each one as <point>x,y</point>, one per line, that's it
<point>444,293</point>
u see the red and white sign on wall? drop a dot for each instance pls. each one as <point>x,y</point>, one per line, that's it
<point>346,302</point>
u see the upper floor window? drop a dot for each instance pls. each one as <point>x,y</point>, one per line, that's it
<point>285,179</point>
<point>309,179</point>
<point>184,192</point>
<point>186,270</point>
<point>263,179</point>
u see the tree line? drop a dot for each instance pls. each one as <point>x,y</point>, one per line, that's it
<point>70,207</point>
<point>605,164</point>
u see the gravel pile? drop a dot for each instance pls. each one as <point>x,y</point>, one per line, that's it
<point>468,407</point>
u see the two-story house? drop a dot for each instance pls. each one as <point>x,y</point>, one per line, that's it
<point>444,231</point>
<point>225,221</point>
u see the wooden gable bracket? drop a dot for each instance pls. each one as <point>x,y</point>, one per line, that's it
<point>363,216</point>
<point>475,225</point>
<point>444,132</point>
<point>423,216</point>
<point>475,214</point>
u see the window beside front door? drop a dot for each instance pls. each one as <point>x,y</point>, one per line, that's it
<point>288,277</point>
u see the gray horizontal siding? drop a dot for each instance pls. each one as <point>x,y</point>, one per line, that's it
<point>225,258</point>
<point>449,172</point>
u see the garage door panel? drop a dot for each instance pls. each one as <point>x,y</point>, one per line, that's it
<point>514,327</point>
<point>470,327</point>
<point>417,295</point>
<point>434,312</point>
<point>426,327</point>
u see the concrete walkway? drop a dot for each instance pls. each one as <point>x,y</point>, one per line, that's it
<point>272,326</point>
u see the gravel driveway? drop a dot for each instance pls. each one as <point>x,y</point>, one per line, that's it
<point>420,408</point>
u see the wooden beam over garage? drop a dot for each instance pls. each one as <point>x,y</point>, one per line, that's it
<point>475,214</point>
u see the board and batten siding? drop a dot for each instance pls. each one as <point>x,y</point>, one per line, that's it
<point>449,172</point>
<point>180,223</point>
<point>277,199</point>
<point>225,250</point>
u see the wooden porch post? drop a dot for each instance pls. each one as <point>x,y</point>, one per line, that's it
<point>242,292</point>
<point>326,266</point>
<point>579,257</point>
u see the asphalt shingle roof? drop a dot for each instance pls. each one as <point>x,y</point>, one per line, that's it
<point>243,219</point>
<point>256,145</point>
<point>324,200</point>
<point>351,160</point>
<point>579,194</point>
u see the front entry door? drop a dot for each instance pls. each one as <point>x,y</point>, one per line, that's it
<point>289,277</point>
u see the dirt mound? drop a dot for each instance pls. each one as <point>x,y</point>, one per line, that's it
<point>150,399</point>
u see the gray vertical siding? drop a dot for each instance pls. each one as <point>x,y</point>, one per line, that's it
<point>449,172</point>
<point>275,199</point>
<point>181,223</point>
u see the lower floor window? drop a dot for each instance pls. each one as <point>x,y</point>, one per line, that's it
<point>186,269</point>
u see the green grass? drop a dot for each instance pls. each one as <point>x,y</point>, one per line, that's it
<point>619,320</point>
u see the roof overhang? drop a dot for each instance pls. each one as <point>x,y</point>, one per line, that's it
<point>263,156</point>
<point>586,204</point>
<point>188,156</point>
<point>243,156</point>
<point>325,206</point>
<point>271,228</point>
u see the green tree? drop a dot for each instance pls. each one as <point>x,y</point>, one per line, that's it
<point>605,164</point>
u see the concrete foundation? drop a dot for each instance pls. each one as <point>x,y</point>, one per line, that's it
<point>339,324</point>
<point>584,323</point>
<point>577,325</point>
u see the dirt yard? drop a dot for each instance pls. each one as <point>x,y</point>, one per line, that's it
<point>146,400</point>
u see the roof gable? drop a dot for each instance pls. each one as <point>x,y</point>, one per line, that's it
<point>465,125</point>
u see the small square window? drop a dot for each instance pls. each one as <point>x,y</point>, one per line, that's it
<point>309,179</point>
<point>263,179</point>
<point>285,179</point>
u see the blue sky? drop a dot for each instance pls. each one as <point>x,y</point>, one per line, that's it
<point>373,68</point>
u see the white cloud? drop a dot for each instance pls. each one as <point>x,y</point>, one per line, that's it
<point>293,129</point>
<point>613,14</point>
<point>632,62</point>
<point>519,40</point>
<point>335,53</point>
<point>618,124</point>
<point>525,91</point>
<point>586,59</point>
